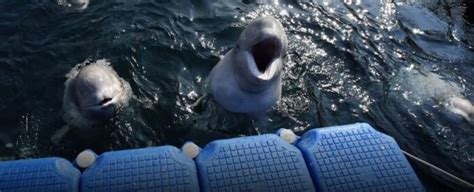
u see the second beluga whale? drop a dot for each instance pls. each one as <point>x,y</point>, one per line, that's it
<point>74,4</point>
<point>94,93</point>
<point>248,78</point>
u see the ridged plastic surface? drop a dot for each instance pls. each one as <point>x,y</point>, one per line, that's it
<point>341,158</point>
<point>48,174</point>
<point>149,169</point>
<point>356,158</point>
<point>255,163</point>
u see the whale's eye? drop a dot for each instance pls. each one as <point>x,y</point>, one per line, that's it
<point>104,101</point>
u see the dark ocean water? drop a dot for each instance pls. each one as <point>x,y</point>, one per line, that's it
<point>388,63</point>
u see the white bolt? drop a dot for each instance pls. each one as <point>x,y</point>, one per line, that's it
<point>287,135</point>
<point>86,158</point>
<point>191,149</point>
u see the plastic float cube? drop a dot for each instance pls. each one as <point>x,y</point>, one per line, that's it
<point>163,168</point>
<point>254,163</point>
<point>41,175</point>
<point>356,158</point>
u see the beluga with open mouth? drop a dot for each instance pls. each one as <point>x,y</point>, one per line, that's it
<point>248,78</point>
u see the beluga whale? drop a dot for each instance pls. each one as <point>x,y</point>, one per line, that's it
<point>248,78</point>
<point>75,4</point>
<point>424,86</point>
<point>93,94</point>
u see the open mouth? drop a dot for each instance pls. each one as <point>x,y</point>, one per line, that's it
<point>265,52</point>
<point>105,101</point>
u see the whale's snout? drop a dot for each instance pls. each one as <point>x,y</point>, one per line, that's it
<point>95,95</point>
<point>104,109</point>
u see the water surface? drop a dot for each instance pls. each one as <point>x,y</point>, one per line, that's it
<point>385,63</point>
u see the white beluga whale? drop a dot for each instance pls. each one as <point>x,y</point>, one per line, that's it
<point>424,86</point>
<point>248,78</point>
<point>93,94</point>
<point>75,4</point>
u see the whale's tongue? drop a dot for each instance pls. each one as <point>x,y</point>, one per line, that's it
<point>264,52</point>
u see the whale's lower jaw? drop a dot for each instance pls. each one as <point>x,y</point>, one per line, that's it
<point>226,91</point>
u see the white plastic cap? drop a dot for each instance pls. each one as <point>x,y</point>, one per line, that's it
<point>86,158</point>
<point>287,135</point>
<point>191,149</point>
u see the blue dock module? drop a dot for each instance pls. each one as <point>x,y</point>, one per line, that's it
<point>163,168</point>
<point>356,158</point>
<point>42,175</point>
<point>254,163</point>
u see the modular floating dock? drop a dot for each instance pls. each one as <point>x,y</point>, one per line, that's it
<point>341,158</point>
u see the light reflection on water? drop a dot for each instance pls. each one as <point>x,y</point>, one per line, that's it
<point>380,62</point>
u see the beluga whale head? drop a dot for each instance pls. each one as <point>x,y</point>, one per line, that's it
<point>248,78</point>
<point>75,4</point>
<point>94,93</point>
